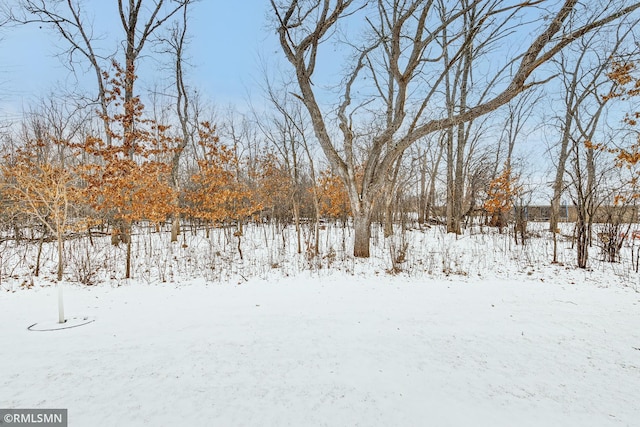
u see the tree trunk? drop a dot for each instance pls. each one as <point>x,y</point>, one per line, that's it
<point>563,155</point>
<point>124,236</point>
<point>37,272</point>
<point>128,263</point>
<point>362,228</point>
<point>175,227</point>
<point>591,185</point>
<point>422,200</point>
<point>115,236</point>
<point>555,247</point>
<point>390,196</point>
<point>60,255</point>
<point>450,183</point>
<point>238,234</point>
<point>296,221</point>
<point>458,191</point>
<point>558,187</point>
<point>431,197</point>
<point>582,240</point>
<point>388,219</point>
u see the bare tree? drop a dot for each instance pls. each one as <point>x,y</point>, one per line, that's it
<point>71,21</point>
<point>514,129</point>
<point>428,159</point>
<point>458,89</point>
<point>175,44</point>
<point>573,69</point>
<point>583,71</point>
<point>401,60</point>
<point>284,130</point>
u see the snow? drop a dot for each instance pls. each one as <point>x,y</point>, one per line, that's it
<point>329,349</point>
<point>471,330</point>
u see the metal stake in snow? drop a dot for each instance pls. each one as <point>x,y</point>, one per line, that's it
<point>60,304</point>
<point>62,323</point>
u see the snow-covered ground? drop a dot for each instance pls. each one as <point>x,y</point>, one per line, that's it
<point>338,350</point>
<point>499,340</point>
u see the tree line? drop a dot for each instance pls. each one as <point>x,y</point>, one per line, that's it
<point>428,112</point>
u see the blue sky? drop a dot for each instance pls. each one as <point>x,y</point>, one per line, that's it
<point>227,43</point>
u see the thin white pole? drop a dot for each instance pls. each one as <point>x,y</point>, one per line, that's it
<point>60,304</point>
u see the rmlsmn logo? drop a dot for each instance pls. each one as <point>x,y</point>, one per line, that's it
<point>33,417</point>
